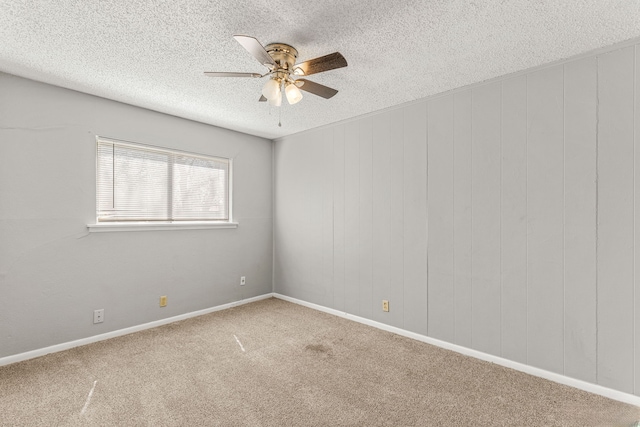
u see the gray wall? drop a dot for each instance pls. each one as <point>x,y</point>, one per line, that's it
<point>501,217</point>
<point>53,273</point>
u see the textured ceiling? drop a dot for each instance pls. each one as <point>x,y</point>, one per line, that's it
<point>153,53</point>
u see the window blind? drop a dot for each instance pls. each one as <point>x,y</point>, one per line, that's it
<point>142,183</point>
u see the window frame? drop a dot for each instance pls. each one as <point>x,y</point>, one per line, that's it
<point>152,224</point>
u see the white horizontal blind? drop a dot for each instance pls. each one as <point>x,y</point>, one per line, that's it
<point>141,183</point>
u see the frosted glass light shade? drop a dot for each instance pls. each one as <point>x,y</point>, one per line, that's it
<point>277,101</point>
<point>271,89</point>
<point>293,93</point>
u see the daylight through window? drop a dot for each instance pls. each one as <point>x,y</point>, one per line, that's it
<point>143,183</point>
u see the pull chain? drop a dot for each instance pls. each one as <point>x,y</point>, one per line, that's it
<point>280,108</point>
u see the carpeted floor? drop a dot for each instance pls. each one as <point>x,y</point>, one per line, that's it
<point>274,363</point>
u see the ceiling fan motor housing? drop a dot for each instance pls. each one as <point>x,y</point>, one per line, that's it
<point>284,55</point>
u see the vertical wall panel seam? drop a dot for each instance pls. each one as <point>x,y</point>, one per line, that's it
<point>564,209</point>
<point>371,304</point>
<point>403,111</point>
<point>360,210</point>
<point>426,124</point>
<point>404,115</point>
<point>359,257</point>
<point>526,167</point>
<point>635,358</point>
<point>596,202</point>
<point>471,210</point>
<point>344,219</point>
<point>500,218</point>
<point>453,208</point>
<point>333,219</point>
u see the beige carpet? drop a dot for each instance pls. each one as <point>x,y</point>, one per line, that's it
<point>273,363</point>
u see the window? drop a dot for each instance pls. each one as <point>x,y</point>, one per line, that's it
<point>137,183</point>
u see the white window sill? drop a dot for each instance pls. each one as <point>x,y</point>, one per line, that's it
<point>155,226</point>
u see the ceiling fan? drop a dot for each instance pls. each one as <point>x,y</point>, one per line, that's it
<point>280,59</point>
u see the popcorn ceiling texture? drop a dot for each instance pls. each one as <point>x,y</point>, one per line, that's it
<point>152,54</point>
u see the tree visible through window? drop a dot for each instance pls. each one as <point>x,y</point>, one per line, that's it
<point>143,183</point>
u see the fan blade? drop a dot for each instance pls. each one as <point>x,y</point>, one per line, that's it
<point>318,65</point>
<point>262,99</point>
<point>223,74</point>
<point>316,88</point>
<point>253,46</point>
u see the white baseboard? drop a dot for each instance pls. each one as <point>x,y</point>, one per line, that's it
<point>552,376</point>
<point>71,344</point>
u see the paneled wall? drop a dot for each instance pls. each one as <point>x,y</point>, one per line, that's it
<point>501,217</point>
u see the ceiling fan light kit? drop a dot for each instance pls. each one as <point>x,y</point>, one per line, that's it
<point>293,93</point>
<point>271,89</point>
<point>276,101</point>
<point>280,59</point>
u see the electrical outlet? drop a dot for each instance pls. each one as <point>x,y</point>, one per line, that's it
<point>243,280</point>
<point>163,301</point>
<point>385,305</point>
<point>98,316</point>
